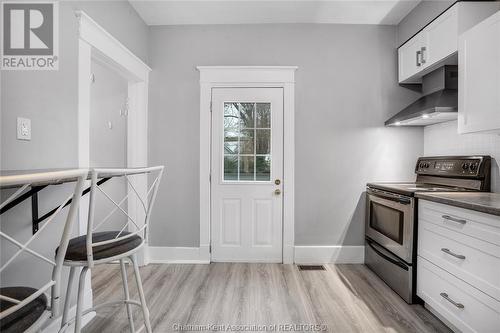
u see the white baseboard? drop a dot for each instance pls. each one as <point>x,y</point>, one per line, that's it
<point>303,255</point>
<point>178,255</point>
<point>336,254</point>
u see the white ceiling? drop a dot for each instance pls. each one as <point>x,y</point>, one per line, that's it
<point>177,12</point>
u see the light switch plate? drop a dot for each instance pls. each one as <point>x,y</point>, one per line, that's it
<point>23,129</point>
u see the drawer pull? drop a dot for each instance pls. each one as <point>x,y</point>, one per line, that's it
<point>447,251</point>
<point>454,219</point>
<point>446,297</point>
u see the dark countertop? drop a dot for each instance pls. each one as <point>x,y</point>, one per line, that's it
<point>484,202</point>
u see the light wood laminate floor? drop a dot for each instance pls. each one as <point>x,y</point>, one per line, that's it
<point>344,298</point>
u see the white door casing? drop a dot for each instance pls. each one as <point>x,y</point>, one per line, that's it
<point>247,169</point>
<point>248,76</point>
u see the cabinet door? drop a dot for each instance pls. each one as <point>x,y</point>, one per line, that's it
<point>479,77</point>
<point>441,37</point>
<point>409,58</point>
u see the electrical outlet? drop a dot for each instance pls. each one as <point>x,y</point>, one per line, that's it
<point>23,129</point>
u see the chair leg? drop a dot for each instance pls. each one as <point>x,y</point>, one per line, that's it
<point>79,302</point>
<point>67,300</point>
<point>127,295</point>
<point>138,280</point>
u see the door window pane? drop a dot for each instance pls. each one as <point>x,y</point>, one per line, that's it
<point>231,167</point>
<point>247,115</point>
<point>263,168</point>
<point>247,171</point>
<point>231,142</point>
<point>263,115</point>
<point>230,148</point>
<point>231,116</point>
<point>247,141</point>
<point>263,141</point>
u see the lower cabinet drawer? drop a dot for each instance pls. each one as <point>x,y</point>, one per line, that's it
<point>470,259</point>
<point>462,221</point>
<point>464,306</point>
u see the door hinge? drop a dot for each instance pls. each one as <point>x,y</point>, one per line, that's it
<point>210,106</point>
<point>210,248</point>
<point>210,177</point>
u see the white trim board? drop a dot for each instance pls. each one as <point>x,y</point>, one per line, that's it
<point>178,255</point>
<point>249,76</point>
<point>110,47</point>
<point>336,254</point>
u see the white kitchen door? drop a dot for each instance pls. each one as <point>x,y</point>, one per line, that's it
<point>246,175</point>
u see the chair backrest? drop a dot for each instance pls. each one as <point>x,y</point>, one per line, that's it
<point>24,182</point>
<point>136,179</point>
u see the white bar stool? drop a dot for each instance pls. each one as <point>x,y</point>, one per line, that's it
<point>26,309</point>
<point>97,248</point>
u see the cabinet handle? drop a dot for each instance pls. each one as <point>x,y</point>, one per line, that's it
<point>422,54</point>
<point>454,219</point>
<point>418,58</point>
<point>447,251</point>
<point>446,297</point>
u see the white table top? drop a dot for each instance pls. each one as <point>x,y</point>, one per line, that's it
<point>42,177</point>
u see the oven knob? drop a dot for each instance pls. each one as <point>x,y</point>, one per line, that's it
<point>427,164</point>
<point>473,167</point>
<point>465,166</point>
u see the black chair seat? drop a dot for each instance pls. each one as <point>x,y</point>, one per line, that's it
<point>77,250</point>
<point>25,317</point>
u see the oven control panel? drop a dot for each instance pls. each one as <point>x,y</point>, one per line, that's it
<point>451,166</point>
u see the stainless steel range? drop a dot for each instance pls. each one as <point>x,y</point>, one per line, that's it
<point>391,215</point>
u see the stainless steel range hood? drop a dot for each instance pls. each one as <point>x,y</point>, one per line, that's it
<point>439,103</point>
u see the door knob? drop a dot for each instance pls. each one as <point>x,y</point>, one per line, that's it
<point>277,191</point>
<point>277,181</point>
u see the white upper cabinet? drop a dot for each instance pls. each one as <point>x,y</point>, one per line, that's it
<point>410,55</point>
<point>479,77</point>
<point>434,43</point>
<point>441,37</point>
<point>437,44</point>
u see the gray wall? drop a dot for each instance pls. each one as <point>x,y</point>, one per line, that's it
<point>346,87</point>
<point>49,99</point>
<point>420,16</point>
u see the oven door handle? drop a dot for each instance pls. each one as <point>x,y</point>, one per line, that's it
<point>386,257</point>
<point>404,201</point>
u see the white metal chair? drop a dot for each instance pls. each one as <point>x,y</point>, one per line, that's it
<point>26,309</point>
<point>97,248</point>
